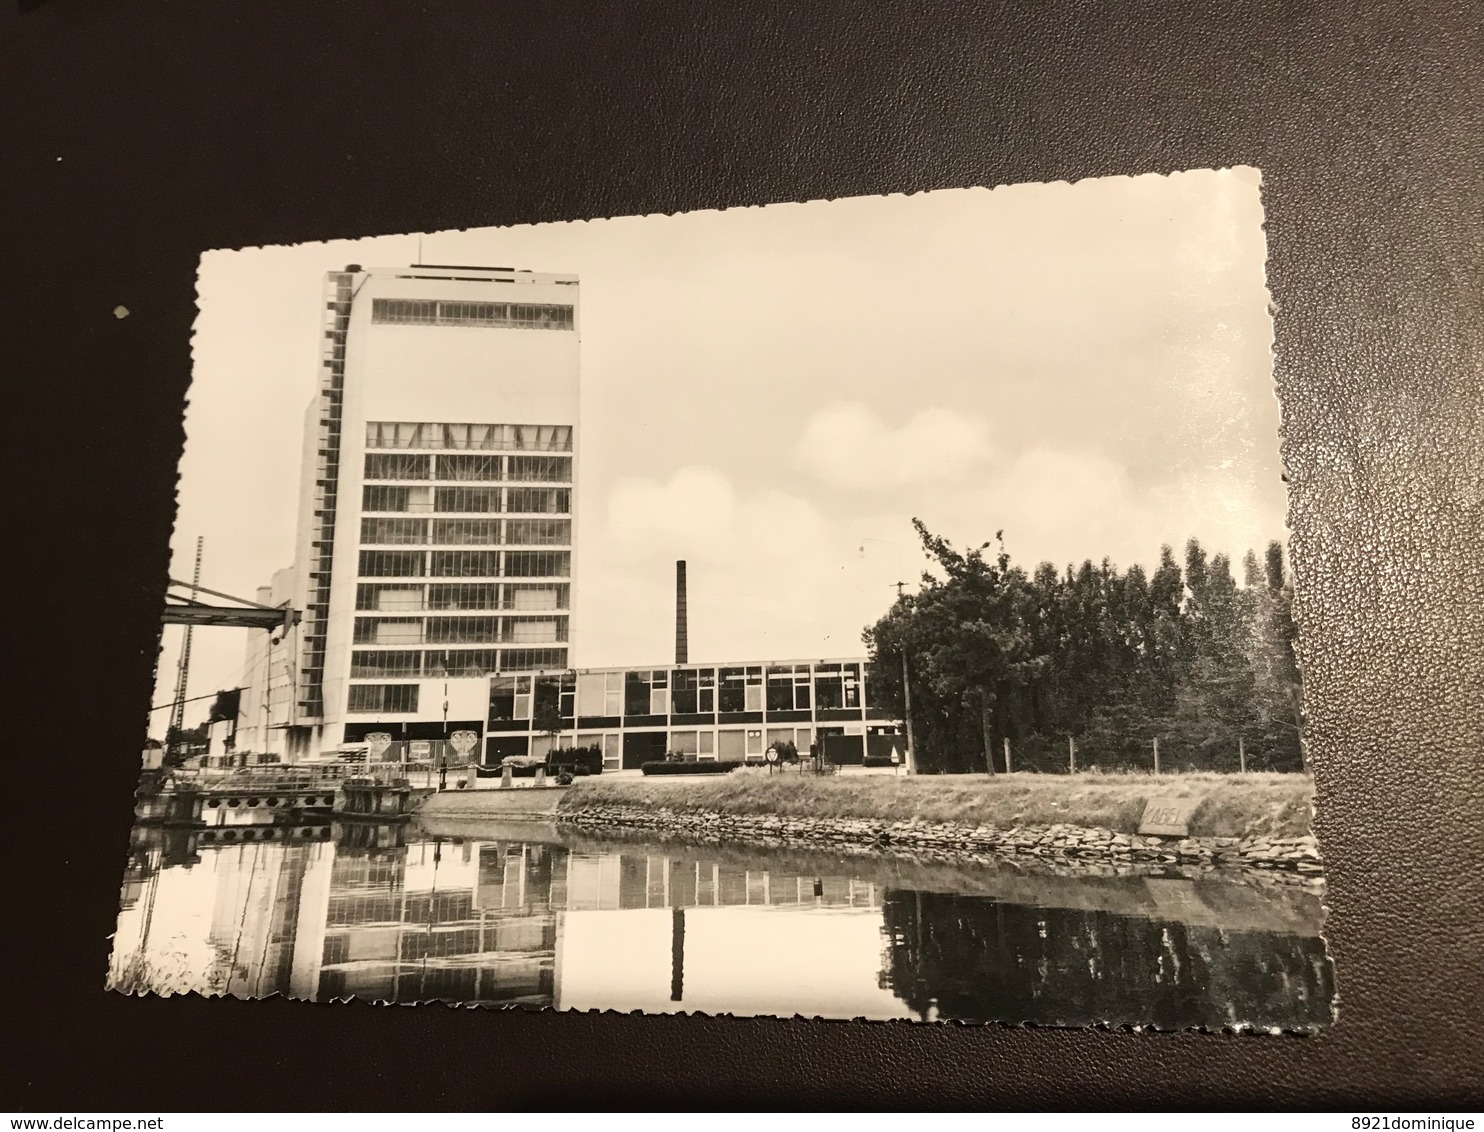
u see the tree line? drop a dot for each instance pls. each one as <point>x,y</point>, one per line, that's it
<point>1103,660</point>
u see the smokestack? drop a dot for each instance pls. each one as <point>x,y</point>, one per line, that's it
<point>682,645</point>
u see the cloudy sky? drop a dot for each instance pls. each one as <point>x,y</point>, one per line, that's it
<point>774,393</point>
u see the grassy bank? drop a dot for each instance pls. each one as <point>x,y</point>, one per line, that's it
<point>1233,805</point>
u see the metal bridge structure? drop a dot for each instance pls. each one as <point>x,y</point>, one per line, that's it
<point>182,607</point>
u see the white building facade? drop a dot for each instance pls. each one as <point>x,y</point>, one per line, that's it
<point>435,540</point>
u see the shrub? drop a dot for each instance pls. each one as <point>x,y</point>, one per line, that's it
<point>575,761</point>
<point>689,768</point>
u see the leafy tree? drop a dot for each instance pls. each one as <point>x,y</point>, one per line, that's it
<point>225,706</point>
<point>1214,697</point>
<point>967,636</point>
<point>1106,658</point>
<point>548,719</point>
<point>182,742</point>
<point>1272,657</point>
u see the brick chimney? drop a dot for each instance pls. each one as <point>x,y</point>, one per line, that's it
<point>682,645</point>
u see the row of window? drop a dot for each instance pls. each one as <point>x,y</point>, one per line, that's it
<point>409,466</point>
<point>467,532</point>
<point>383,698</point>
<point>402,598</point>
<point>734,744</point>
<point>588,884</point>
<point>460,630</point>
<point>480,437</point>
<point>443,312</point>
<point>612,694</point>
<point>370,664</point>
<point>688,691</point>
<point>478,500</point>
<point>465,564</point>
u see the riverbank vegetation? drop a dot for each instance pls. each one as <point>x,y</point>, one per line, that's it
<point>1092,665</point>
<point>1232,806</point>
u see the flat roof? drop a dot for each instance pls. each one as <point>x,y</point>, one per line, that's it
<point>470,273</point>
<point>862,660</point>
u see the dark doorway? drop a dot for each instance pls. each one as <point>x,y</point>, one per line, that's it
<point>845,750</point>
<point>640,747</point>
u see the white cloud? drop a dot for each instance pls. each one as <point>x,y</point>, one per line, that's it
<point>1065,507</point>
<point>698,515</point>
<point>1112,334</point>
<point>773,576</point>
<point>847,445</point>
<point>770,575</point>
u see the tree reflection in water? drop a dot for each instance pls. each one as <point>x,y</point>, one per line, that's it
<point>981,960</point>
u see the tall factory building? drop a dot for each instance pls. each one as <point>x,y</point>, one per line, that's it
<point>435,535</point>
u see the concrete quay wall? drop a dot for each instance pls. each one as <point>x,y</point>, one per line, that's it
<point>1295,858</point>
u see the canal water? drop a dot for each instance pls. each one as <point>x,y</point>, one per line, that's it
<point>527,915</point>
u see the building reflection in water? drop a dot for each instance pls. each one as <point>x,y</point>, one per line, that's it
<point>442,921</point>
<point>532,923</point>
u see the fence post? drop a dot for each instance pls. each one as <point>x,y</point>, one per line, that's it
<point>1156,756</point>
<point>1071,755</point>
<point>1008,769</point>
<point>1242,754</point>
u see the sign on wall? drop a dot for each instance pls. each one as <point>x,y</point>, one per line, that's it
<point>1168,817</point>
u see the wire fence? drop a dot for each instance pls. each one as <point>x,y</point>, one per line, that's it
<point>1073,755</point>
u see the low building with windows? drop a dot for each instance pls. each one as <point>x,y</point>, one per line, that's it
<point>728,712</point>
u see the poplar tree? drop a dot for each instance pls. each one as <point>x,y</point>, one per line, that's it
<point>1272,656</point>
<point>1109,659</point>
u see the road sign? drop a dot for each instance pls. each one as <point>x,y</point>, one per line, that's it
<point>771,754</point>
<point>420,750</point>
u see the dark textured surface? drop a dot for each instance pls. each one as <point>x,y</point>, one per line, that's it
<point>186,126</point>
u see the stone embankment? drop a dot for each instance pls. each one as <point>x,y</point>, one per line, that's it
<point>1295,857</point>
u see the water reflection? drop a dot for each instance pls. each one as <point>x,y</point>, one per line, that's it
<point>533,918</point>
<point>961,957</point>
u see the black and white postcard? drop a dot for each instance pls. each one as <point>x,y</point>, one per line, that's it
<point>875,608</point>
